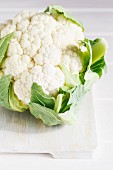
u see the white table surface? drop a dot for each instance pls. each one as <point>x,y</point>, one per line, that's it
<point>97,20</point>
<point>103,160</point>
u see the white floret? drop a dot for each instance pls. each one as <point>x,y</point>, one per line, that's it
<point>18,35</point>
<point>26,59</point>
<point>3,25</point>
<point>23,15</point>
<point>47,55</point>
<point>40,44</point>
<point>47,76</point>
<point>14,65</point>
<point>14,48</point>
<point>8,29</point>
<point>23,25</point>
<point>72,61</point>
<point>67,33</point>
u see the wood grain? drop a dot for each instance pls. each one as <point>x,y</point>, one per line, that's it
<point>22,133</point>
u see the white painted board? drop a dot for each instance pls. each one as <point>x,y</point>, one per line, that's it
<point>22,133</point>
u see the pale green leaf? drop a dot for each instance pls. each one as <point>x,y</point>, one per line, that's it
<point>38,96</point>
<point>58,10</point>
<point>4,91</point>
<point>15,103</point>
<point>48,116</point>
<point>4,42</point>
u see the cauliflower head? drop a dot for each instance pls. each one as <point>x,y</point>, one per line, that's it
<point>39,45</point>
<point>46,55</point>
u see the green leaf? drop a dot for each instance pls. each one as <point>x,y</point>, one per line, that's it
<point>86,58</point>
<point>85,55</point>
<point>4,42</point>
<point>58,10</point>
<point>73,103</point>
<point>72,97</point>
<point>63,89</point>
<point>81,76</point>
<point>76,95</point>
<point>48,116</point>
<point>88,75</point>
<point>4,91</point>
<point>58,103</point>
<point>70,79</point>
<point>99,48</point>
<point>93,58</point>
<point>65,98</point>
<point>15,103</point>
<point>90,78</point>
<point>65,106</point>
<point>99,66</point>
<point>38,96</point>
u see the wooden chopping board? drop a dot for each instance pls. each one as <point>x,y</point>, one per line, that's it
<point>22,133</point>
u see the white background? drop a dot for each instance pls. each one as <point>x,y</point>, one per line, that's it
<point>97,17</point>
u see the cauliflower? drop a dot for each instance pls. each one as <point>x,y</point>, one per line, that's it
<point>40,44</point>
<point>42,53</point>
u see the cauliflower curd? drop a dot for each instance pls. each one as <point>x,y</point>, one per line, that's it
<point>40,44</point>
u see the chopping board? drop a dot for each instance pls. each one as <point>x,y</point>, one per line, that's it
<point>22,133</point>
